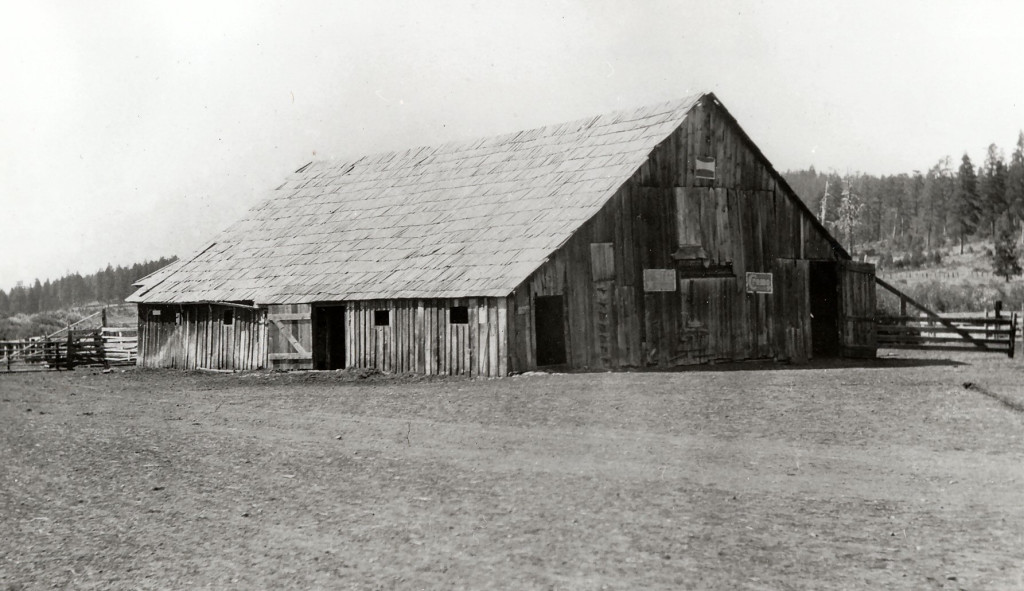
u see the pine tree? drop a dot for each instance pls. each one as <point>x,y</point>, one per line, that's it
<point>849,213</point>
<point>931,220</point>
<point>1015,184</point>
<point>826,205</point>
<point>967,209</point>
<point>1005,256</point>
<point>993,187</point>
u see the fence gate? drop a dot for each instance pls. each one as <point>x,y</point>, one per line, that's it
<point>931,331</point>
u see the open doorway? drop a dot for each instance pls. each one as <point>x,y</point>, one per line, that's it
<point>824,293</point>
<point>328,337</point>
<point>549,320</point>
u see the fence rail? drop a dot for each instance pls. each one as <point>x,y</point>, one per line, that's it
<point>951,332</point>
<point>933,331</point>
<point>895,274</point>
<point>99,347</point>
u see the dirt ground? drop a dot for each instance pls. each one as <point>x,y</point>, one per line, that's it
<point>888,474</point>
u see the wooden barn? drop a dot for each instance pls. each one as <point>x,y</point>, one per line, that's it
<point>653,237</point>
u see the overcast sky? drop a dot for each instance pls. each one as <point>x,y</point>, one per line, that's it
<point>134,130</point>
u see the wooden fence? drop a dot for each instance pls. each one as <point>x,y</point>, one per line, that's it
<point>96,347</point>
<point>933,331</point>
<point>949,333</point>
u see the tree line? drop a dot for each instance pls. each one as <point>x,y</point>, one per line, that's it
<point>950,203</point>
<point>111,285</point>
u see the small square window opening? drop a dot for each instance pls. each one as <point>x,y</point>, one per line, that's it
<point>381,318</point>
<point>458,315</point>
<point>229,317</point>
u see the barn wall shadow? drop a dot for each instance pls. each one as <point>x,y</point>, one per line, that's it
<point>821,363</point>
<point>770,365</point>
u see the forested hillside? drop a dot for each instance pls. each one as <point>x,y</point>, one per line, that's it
<point>917,212</point>
<point>111,285</point>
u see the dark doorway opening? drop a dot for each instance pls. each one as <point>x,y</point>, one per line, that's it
<point>549,317</point>
<point>328,337</point>
<point>824,293</point>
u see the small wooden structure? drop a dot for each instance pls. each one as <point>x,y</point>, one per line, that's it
<point>653,237</point>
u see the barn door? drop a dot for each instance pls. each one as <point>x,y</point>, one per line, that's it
<point>825,305</point>
<point>290,336</point>
<point>328,337</point>
<point>792,310</point>
<point>550,322</point>
<point>857,311</point>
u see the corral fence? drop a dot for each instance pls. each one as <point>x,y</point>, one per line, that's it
<point>893,275</point>
<point>72,347</point>
<point>985,331</point>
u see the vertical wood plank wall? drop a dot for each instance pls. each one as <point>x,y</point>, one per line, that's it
<point>420,337</point>
<point>857,297</point>
<point>194,336</point>
<point>746,217</point>
<point>290,336</point>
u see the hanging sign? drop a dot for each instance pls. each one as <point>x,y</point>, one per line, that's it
<point>704,167</point>
<point>759,283</point>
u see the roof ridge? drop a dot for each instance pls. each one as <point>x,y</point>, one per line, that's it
<point>524,134</point>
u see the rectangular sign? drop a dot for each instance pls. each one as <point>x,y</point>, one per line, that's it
<point>659,280</point>
<point>704,168</point>
<point>759,283</point>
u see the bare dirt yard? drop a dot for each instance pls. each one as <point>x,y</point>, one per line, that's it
<point>887,474</point>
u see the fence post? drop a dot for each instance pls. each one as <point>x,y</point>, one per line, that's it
<point>101,349</point>
<point>71,346</point>
<point>8,351</point>
<point>1013,333</point>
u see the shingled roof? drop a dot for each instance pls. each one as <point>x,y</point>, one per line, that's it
<point>461,220</point>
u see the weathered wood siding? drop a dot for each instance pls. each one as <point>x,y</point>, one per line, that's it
<point>694,239</point>
<point>419,337</point>
<point>290,334</point>
<point>857,315</point>
<point>195,336</point>
<point>792,310</point>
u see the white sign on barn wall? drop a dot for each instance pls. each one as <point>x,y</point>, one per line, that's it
<point>759,282</point>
